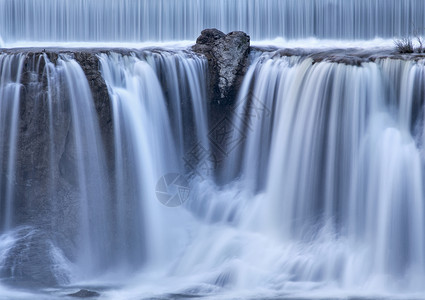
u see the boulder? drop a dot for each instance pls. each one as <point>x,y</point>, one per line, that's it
<point>84,294</point>
<point>227,56</point>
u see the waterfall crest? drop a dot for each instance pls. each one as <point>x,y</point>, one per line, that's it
<point>164,20</point>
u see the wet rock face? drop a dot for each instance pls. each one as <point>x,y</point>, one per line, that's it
<point>30,261</point>
<point>37,164</point>
<point>90,65</point>
<point>44,184</point>
<point>227,56</point>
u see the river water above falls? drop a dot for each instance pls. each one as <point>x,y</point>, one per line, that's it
<point>125,171</point>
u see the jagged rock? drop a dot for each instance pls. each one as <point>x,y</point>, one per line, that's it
<point>208,37</point>
<point>227,61</point>
<point>84,294</point>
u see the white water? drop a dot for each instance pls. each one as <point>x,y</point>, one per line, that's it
<point>162,20</point>
<point>75,214</point>
<point>323,197</point>
<point>9,94</point>
<point>92,181</point>
<point>353,169</point>
<point>329,202</point>
<point>149,143</point>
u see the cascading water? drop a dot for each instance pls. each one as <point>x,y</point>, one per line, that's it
<point>146,147</point>
<point>120,172</point>
<point>9,92</point>
<point>331,198</point>
<point>344,162</point>
<point>67,90</point>
<point>163,20</point>
<point>127,230</point>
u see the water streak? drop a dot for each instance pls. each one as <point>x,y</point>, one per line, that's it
<point>10,88</point>
<point>163,20</point>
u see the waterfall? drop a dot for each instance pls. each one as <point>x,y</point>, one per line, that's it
<point>9,91</point>
<point>147,145</point>
<point>125,169</point>
<point>343,167</point>
<point>330,187</point>
<point>90,172</point>
<point>101,222</point>
<point>74,138</point>
<point>163,20</point>
<point>324,191</point>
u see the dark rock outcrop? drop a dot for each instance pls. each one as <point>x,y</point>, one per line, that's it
<point>42,184</point>
<point>84,294</point>
<point>227,61</point>
<point>90,65</point>
<point>29,261</point>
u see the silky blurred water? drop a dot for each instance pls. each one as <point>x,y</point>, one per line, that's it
<point>309,187</point>
<point>163,20</point>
